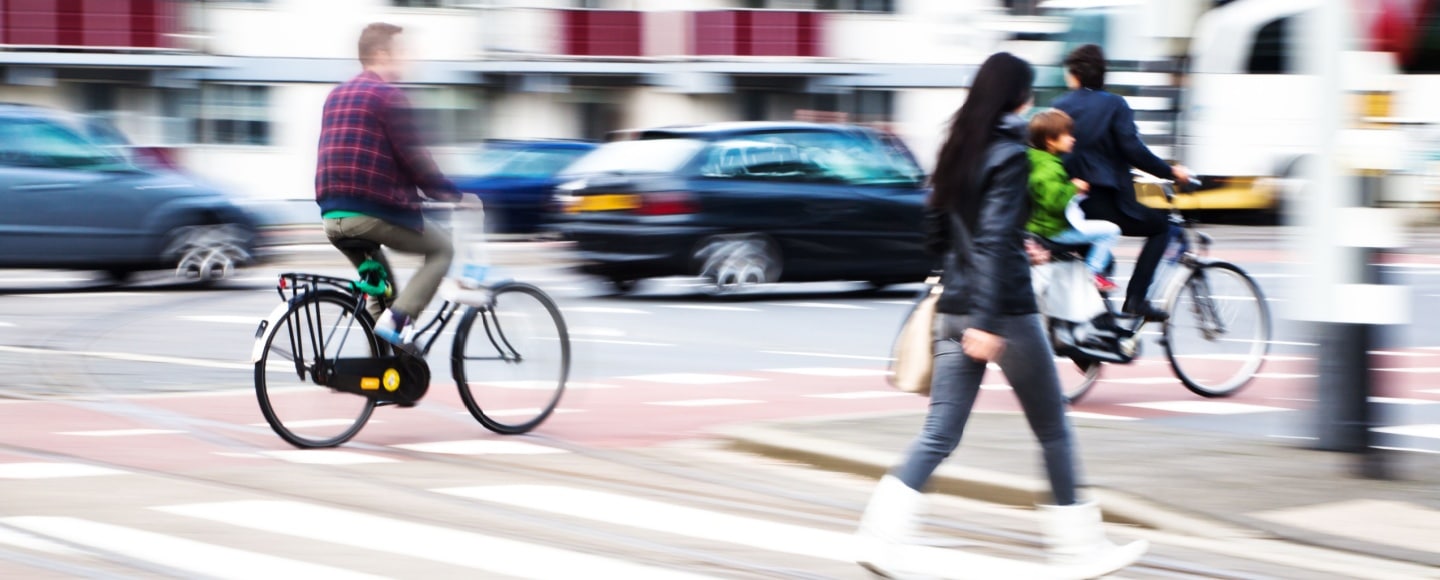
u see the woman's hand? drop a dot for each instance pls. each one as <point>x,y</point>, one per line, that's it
<point>1081,185</point>
<point>981,345</point>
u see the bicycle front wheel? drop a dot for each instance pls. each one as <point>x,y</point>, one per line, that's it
<point>298,348</point>
<point>1219,330</point>
<point>511,359</point>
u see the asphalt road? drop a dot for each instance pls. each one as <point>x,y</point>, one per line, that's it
<point>132,425</point>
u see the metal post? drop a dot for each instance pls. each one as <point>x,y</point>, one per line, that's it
<point>1343,384</point>
<point>1348,301</point>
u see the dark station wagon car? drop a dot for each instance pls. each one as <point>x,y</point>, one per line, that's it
<point>69,202</point>
<point>740,204</point>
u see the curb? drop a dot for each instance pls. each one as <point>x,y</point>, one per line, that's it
<point>973,483</point>
<point>1197,532</point>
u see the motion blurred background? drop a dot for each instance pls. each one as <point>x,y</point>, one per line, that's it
<point>231,91</point>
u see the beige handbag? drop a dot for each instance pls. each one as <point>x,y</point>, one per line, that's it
<point>913,353</point>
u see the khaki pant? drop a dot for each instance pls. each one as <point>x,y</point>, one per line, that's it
<point>433,243</point>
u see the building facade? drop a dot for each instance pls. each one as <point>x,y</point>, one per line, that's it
<point>234,88</point>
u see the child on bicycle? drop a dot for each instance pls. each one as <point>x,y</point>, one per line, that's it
<point>1056,213</point>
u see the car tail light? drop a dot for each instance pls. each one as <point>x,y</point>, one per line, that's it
<point>668,203</point>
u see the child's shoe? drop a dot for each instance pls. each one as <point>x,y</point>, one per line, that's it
<point>1105,284</point>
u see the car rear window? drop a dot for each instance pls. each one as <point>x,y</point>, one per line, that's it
<point>643,156</point>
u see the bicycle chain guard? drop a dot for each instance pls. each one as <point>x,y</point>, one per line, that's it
<point>402,379</point>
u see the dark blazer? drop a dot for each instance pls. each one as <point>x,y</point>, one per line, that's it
<point>987,273</point>
<point>1107,145</point>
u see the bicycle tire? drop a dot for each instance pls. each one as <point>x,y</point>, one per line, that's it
<point>1089,374</point>
<point>498,340</point>
<point>296,312</point>
<point>1251,361</point>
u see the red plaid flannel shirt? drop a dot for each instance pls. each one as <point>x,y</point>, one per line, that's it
<point>371,158</point>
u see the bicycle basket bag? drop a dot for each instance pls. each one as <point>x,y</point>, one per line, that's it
<point>1081,327</point>
<point>1099,339</point>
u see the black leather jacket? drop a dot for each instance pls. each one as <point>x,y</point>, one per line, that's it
<point>987,273</point>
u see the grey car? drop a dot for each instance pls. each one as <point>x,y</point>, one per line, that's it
<point>67,202</point>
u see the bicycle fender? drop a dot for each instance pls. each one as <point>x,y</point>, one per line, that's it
<point>267,326</point>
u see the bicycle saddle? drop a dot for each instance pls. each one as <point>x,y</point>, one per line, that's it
<point>356,245</point>
<point>1058,249</point>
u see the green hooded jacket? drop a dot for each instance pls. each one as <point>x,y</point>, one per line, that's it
<point>1050,192</point>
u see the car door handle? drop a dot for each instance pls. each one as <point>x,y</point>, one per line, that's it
<point>44,186</point>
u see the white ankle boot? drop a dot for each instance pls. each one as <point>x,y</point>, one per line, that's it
<point>1075,539</point>
<point>891,520</point>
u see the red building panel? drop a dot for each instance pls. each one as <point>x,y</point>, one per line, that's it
<point>774,33</point>
<point>89,23</point>
<point>602,32</point>
<point>712,33</point>
<point>757,33</point>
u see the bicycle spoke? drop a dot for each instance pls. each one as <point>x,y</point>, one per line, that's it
<point>516,396</point>
<point>1219,331</point>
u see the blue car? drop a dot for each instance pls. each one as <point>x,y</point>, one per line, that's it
<point>68,201</point>
<point>516,180</point>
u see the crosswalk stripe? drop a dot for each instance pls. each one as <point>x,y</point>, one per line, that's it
<point>705,402</point>
<point>38,470</point>
<point>325,457</point>
<point>1205,407</point>
<point>444,545</point>
<point>693,379</point>
<point>1402,401</point>
<point>1428,431</point>
<point>862,395</point>
<point>834,372</point>
<point>480,447</point>
<point>732,529</point>
<point>668,519</point>
<point>179,553</point>
<point>829,305</point>
<point>121,432</point>
<point>1099,416</point>
<point>710,307</point>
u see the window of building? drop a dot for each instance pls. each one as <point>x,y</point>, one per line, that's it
<point>1271,53</point>
<point>417,3</point>
<point>234,115</point>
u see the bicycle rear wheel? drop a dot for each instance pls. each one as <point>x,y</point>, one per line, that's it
<point>1219,330</point>
<point>511,367</point>
<point>1076,377</point>
<point>317,329</point>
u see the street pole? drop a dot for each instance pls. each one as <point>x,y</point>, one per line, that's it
<point>1342,232</point>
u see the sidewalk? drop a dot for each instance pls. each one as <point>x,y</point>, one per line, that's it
<point>1186,482</point>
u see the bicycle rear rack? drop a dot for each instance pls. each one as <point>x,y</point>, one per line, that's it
<point>299,282</point>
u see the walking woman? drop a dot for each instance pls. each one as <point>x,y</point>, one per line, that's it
<point>976,220</point>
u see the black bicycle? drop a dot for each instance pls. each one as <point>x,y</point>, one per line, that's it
<point>1219,330</point>
<point>320,370</point>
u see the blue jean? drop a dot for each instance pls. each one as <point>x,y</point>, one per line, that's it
<point>1028,363</point>
<point>1101,235</point>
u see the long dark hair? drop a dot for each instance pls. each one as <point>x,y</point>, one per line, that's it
<point>1001,86</point>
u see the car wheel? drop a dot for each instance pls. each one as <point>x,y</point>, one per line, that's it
<point>118,276</point>
<point>205,254</point>
<point>621,286</point>
<point>735,264</point>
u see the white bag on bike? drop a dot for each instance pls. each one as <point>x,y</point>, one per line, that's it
<point>1066,291</point>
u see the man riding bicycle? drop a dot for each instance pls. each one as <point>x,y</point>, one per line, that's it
<point>371,163</point>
